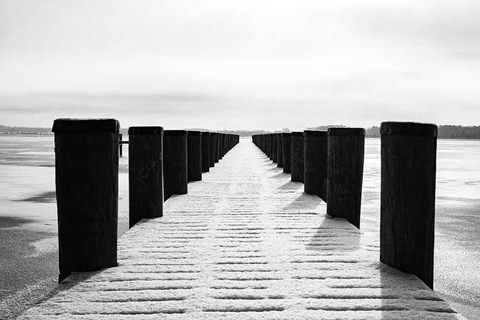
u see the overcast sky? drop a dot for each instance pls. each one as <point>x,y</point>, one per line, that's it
<point>240,64</point>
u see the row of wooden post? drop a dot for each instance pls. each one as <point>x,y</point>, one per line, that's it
<point>330,164</point>
<point>161,163</point>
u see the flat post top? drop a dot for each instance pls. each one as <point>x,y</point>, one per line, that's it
<point>408,128</point>
<point>346,132</point>
<point>67,125</point>
<point>145,130</point>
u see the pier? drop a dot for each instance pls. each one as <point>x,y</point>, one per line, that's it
<point>245,243</point>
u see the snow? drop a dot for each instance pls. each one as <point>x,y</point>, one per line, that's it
<point>245,243</point>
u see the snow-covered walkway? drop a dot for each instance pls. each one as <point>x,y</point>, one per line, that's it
<point>245,243</point>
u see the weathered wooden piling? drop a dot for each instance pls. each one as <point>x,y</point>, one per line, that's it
<point>271,148</point>
<point>175,166</point>
<point>145,166</point>
<point>315,162</point>
<point>267,145</point>
<point>86,178</point>
<point>194,155</point>
<point>220,145</point>
<point>346,148</point>
<point>408,168</point>
<point>212,149</point>
<point>274,147</point>
<point>205,151</point>
<point>217,147</point>
<point>287,151</point>
<point>279,150</point>
<point>297,157</point>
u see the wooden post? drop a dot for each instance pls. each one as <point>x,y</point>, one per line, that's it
<point>145,166</point>
<point>287,151</point>
<point>407,223</point>
<point>120,144</point>
<point>315,162</point>
<point>217,147</point>
<point>297,156</point>
<point>270,145</point>
<point>224,139</point>
<point>267,145</point>
<point>213,143</point>
<point>220,142</point>
<point>175,167</point>
<point>274,147</point>
<point>194,156</point>
<point>279,150</point>
<point>346,148</point>
<point>205,151</point>
<point>86,178</point>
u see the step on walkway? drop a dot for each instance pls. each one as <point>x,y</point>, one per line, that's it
<point>245,243</point>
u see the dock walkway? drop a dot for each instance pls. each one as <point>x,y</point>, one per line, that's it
<point>245,243</point>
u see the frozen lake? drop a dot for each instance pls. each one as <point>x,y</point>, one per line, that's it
<point>28,218</point>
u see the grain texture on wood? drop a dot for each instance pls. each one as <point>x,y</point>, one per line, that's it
<point>145,166</point>
<point>297,157</point>
<point>205,151</point>
<point>175,166</point>
<point>86,178</point>
<point>287,151</point>
<point>346,148</point>
<point>315,162</point>
<point>194,154</point>
<point>279,150</point>
<point>274,148</point>
<point>408,168</point>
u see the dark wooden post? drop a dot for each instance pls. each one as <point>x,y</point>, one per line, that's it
<point>297,156</point>
<point>270,145</point>
<point>279,150</point>
<point>86,178</point>
<point>205,151</point>
<point>287,151</point>
<point>315,162</point>
<point>194,155</point>
<point>120,144</point>
<point>267,144</point>
<point>220,142</point>
<point>217,147</point>
<point>175,167</point>
<point>224,139</point>
<point>407,227</point>
<point>346,148</point>
<point>264,143</point>
<point>213,142</point>
<point>274,147</point>
<point>145,166</point>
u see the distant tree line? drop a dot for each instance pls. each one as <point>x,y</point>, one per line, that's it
<point>444,132</point>
<point>459,132</point>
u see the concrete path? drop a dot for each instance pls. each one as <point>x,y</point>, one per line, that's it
<point>245,243</point>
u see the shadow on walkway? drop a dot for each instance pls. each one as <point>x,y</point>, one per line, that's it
<point>291,186</point>
<point>348,240</point>
<point>71,281</point>
<point>305,201</point>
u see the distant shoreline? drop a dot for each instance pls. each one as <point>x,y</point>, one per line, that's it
<point>444,131</point>
<point>243,136</point>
